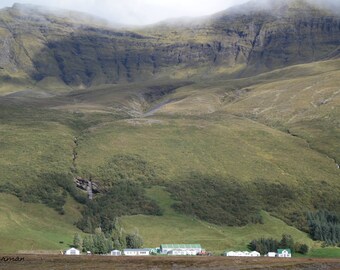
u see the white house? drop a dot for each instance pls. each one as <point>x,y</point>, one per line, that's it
<point>191,249</point>
<point>271,254</point>
<point>241,254</point>
<point>72,251</point>
<point>255,254</point>
<point>230,253</point>
<point>284,253</point>
<point>178,252</point>
<point>136,252</point>
<point>115,253</point>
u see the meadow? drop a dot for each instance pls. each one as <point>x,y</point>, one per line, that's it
<point>154,262</point>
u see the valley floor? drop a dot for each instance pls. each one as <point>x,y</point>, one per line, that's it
<point>156,262</point>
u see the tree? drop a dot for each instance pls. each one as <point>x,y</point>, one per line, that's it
<point>134,241</point>
<point>77,241</point>
<point>97,243</point>
<point>118,237</point>
<point>287,242</point>
<point>303,249</point>
<point>88,243</point>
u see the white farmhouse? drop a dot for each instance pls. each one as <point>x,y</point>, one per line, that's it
<point>72,251</point>
<point>271,254</point>
<point>136,252</point>
<point>254,254</point>
<point>178,252</point>
<point>284,253</point>
<point>190,249</point>
<point>241,254</point>
<point>230,254</point>
<point>115,253</point>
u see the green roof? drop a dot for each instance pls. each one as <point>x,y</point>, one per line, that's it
<point>180,246</point>
<point>279,251</point>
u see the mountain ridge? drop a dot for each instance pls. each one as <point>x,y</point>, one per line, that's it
<point>247,45</point>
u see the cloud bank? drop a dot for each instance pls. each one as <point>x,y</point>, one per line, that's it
<point>142,12</point>
<point>137,12</point>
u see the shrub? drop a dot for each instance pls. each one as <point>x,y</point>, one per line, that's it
<point>125,197</point>
<point>216,200</point>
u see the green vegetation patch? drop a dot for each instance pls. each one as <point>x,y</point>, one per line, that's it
<point>122,167</point>
<point>216,200</point>
<point>174,227</point>
<point>125,197</point>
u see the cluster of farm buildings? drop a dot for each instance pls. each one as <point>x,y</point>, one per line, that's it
<point>185,250</point>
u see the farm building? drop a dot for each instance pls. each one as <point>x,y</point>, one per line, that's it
<point>284,253</point>
<point>271,254</point>
<point>136,252</point>
<point>241,254</point>
<point>115,253</point>
<point>183,252</point>
<point>255,254</point>
<point>178,252</point>
<point>72,251</point>
<point>190,249</point>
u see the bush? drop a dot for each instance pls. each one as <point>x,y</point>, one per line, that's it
<point>302,248</point>
<point>51,190</point>
<point>134,241</point>
<point>216,200</point>
<point>122,167</point>
<point>125,197</point>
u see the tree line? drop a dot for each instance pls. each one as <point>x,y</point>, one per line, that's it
<point>324,226</point>
<point>265,245</point>
<point>101,243</point>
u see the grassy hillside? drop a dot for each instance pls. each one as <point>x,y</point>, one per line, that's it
<point>28,227</point>
<point>177,228</point>
<point>275,135</point>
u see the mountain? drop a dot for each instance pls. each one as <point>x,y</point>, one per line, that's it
<point>82,54</point>
<point>225,127</point>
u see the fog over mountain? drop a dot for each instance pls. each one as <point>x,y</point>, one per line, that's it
<point>137,12</point>
<point>142,12</point>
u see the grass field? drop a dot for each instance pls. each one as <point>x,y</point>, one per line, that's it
<point>27,227</point>
<point>40,262</point>
<point>325,253</point>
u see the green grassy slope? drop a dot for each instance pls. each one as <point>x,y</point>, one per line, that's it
<point>230,147</point>
<point>177,228</point>
<point>27,227</point>
<point>226,129</point>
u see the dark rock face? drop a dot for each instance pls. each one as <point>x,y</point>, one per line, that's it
<point>43,45</point>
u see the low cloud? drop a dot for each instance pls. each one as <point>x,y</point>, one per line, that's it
<point>141,12</point>
<point>138,12</point>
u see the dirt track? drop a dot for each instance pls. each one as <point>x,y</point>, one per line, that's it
<point>61,262</point>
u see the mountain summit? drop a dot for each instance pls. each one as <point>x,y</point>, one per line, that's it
<point>248,39</point>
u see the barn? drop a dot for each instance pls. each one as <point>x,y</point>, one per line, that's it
<point>190,249</point>
<point>72,251</point>
<point>136,252</point>
<point>115,253</point>
<point>178,252</point>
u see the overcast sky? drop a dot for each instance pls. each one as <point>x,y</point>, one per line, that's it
<point>136,11</point>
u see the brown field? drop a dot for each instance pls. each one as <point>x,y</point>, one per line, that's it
<point>62,262</point>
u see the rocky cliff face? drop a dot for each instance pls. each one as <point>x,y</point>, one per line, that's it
<point>44,44</point>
